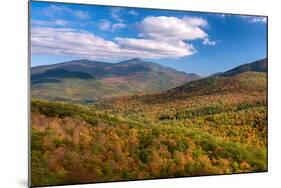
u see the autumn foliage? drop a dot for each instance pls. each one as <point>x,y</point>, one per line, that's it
<point>210,126</point>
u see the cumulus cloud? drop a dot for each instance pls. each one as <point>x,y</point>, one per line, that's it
<point>82,44</point>
<point>159,49</point>
<point>195,21</point>
<point>207,41</point>
<point>158,37</point>
<point>165,28</point>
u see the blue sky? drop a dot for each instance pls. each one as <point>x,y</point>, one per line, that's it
<point>201,43</point>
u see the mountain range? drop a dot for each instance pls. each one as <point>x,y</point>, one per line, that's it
<point>85,80</point>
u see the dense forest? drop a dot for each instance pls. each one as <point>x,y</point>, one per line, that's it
<point>215,125</point>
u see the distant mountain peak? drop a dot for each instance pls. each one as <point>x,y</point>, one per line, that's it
<point>81,60</point>
<point>104,80</point>
<point>135,59</point>
<point>85,61</point>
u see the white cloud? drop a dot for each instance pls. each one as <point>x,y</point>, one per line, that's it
<point>52,10</point>
<point>56,22</point>
<point>195,21</point>
<point>172,28</point>
<point>116,14</point>
<point>159,37</point>
<point>259,19</point>
<point>117,26</point>
<point>69,42</point>
<point>55,10</point>
<point>82,14</point>
<point>105,25</point>
<point>207,41</point>
<point>254,19</point>
<point>82,44</point>
<point>159,49</point>
<point>133,12</point>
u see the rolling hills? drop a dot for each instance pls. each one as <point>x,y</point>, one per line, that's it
<point>213,125</point>
<point>87,81</point>
<point>247,80</point>
<point>257,66</point>
<point>245,89</point>
<point>77,144</point>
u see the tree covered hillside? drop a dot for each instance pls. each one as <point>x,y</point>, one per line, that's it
<point>209,126</point>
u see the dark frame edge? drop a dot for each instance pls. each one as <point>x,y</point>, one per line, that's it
<point>28,97</point>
